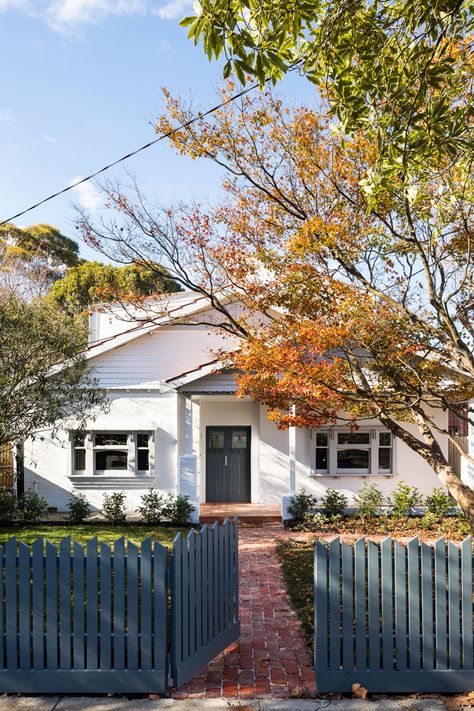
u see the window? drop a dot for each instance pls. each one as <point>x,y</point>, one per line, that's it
<point>216,439</point>
<point>385,451</point>
<point>360,453</point>
<point>322,452</point>
<point>239,440</point>
<point>110,452</point>
<point>353,452</point>
<point>143,452</point>
<point>79,452</point>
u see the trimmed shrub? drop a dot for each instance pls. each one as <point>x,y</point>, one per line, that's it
<point>370,500</point>
<point>178,510</point>
<point>31,507</point>
<point>153,506</point>
<point>334,503</point>
<point>113,508</point>
<point>7,505</point>
<point>301,506</point>
<point>79,508</point>
<point>439,503</point>
<point>404,499</point>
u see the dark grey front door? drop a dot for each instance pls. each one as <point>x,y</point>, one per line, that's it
<point>228,464</point>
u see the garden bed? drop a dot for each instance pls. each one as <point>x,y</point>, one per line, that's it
<point>455,528</point>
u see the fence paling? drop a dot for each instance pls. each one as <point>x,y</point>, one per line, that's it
<point>395,618</point>
<point>204,584</point>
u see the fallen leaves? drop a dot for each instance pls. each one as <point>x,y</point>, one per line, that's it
<point>359,691</point>
<point>460,701</point>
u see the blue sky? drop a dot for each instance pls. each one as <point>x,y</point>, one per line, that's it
<point>80,83</point>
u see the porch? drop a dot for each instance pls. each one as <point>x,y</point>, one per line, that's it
<point>247,513</point>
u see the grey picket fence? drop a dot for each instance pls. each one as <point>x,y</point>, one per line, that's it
<point>95,619</point>
<point>205,601</point>
<point>392,617</point>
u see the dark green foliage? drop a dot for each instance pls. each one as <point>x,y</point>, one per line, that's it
<point>405,499</point>
<point>31,507</point>
<point>334,503</point>
<point>153,507</point>
<point>79,508</point>
<point>301,505</point>
<point>36,339</point>
<point>178,510</point>
<point>113,508</point>
<point>370,500</point>
<point>439,503</point>
<point>7,505</point>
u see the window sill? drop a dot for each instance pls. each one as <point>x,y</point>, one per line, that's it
<point>112,481</point>
<point>354,475</point>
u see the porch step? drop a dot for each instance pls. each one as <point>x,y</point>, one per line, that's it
<point>247,513</point>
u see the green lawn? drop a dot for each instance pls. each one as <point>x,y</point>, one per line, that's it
<point>83,533</point>
<point>296,559</point>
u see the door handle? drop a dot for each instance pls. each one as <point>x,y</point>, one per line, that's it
<point>225,460</point>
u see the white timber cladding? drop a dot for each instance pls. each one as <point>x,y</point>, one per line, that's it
<point>159,356</point>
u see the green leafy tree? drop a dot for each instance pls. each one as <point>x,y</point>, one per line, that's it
<point>32,258</point>
<point>44,377</point>
<point>92,282</point>
<point>401,71</point>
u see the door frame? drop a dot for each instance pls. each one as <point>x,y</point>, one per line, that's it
<point>246,427</point>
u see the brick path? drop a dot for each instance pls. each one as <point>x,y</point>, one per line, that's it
<point>271,658</point>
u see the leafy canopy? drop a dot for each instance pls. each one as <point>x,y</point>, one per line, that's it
<point>391,68</point>
<point>44,378</point>
<point>93,282</point>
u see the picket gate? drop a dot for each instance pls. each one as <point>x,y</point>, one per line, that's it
<point>205,602</point>
<point>95,618</point>
<point>394,618</point>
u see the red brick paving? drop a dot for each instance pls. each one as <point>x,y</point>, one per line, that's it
<point>271,658</point>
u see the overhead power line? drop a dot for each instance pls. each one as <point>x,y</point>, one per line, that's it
<point>162,136</point>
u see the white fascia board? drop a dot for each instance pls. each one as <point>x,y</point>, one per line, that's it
<point>200,372</point>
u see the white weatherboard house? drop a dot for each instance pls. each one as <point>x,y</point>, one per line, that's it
<point>175,424</point>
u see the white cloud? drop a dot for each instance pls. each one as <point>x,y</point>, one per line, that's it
<point>69,14</point>
<point>5,115</point>
<point>88,196</point>
<point>49,139</point>
<point>173,9</point>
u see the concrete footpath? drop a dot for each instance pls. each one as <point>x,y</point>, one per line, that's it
<point>50,703</point>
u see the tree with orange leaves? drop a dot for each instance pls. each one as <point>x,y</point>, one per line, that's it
<point>366,307</point>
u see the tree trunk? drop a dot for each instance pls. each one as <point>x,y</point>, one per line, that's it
<point>463,493</point>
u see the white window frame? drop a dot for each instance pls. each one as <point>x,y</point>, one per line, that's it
<point>373,447</point>
<point>131,447</point>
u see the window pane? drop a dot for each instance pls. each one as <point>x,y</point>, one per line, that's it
<point>142,460</point>
<point>79,440</point>
<point>110,440</point>
<point>353,459</point>
<point>385,459</point>
<point>385,439</point>
<point>79,460</point>
<point>239,440</point>
<point>321,458</point>
<point>216,440</point>
<point>111,460</point>
<point>353,437</point>
<point>142,440</point>
<point>322,439</point>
